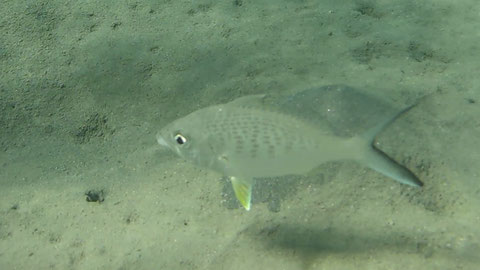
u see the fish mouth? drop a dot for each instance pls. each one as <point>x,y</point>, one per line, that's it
<point>162,141</point>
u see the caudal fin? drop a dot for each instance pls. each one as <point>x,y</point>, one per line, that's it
<point>380,162</point>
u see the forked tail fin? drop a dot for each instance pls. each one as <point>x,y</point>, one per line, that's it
<point>380,162</point>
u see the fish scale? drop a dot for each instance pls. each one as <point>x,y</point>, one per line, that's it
<point>243,131</point>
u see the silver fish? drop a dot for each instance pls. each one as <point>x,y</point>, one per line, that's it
<point>248,138</point>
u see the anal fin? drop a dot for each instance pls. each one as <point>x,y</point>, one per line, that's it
<point>243,190</point>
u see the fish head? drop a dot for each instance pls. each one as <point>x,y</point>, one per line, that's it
<point>188,137</point>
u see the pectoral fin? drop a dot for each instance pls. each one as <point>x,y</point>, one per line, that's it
<point>243,190</point>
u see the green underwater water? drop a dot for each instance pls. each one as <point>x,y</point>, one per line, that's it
<point>85,86</point>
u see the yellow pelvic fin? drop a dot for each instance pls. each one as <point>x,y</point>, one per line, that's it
<point>243,191</point>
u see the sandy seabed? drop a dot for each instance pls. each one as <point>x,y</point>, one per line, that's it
<point>85,85</point>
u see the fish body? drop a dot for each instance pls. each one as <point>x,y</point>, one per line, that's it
<point>244,142</point>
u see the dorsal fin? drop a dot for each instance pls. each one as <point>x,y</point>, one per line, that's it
<point>249,101</point>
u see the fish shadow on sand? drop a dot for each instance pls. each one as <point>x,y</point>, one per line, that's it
<point>308,241</point>
<point>308,244</point>
<point>273,191</point>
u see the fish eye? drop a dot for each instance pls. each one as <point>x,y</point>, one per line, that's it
<point>180,139</point>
